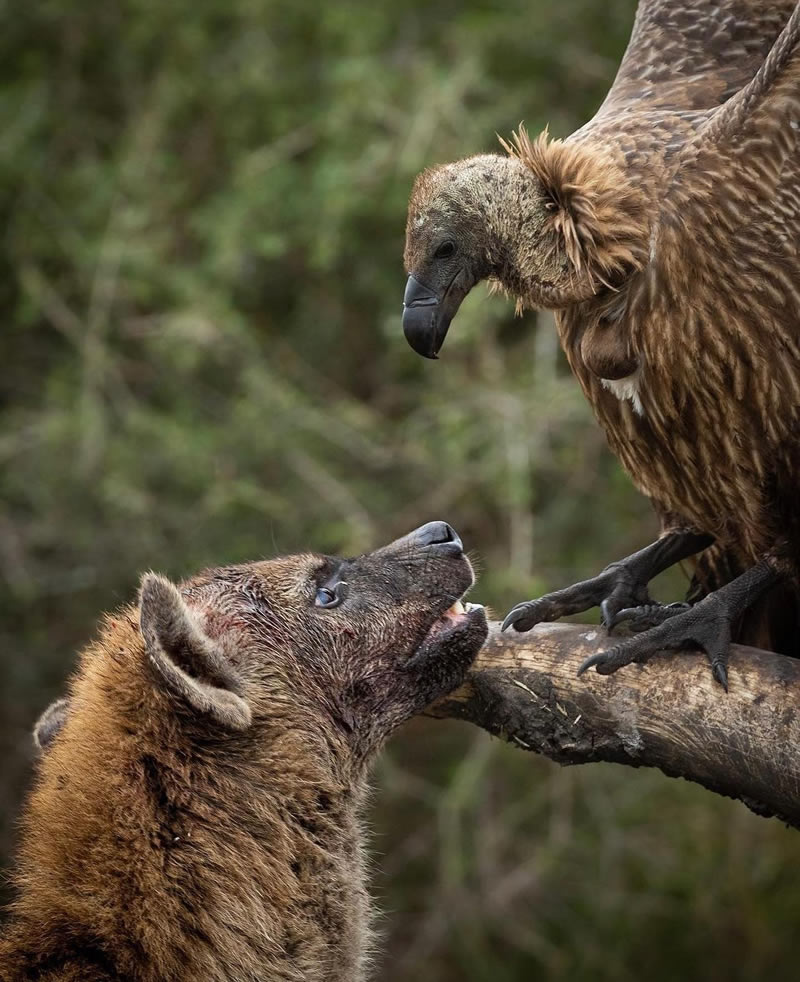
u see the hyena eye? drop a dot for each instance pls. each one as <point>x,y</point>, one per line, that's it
<point>331,596</point>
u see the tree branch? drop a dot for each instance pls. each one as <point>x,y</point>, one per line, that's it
<point>668,714</point>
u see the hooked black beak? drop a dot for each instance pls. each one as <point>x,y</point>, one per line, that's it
<point>425,320</point>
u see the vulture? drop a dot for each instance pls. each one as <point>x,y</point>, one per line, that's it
<point>664,234</point>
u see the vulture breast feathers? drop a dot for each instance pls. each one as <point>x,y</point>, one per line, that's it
<point>664,233</point>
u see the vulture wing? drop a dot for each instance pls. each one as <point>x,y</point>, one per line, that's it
<point>736,187</point>
<point>725,271</point>
<point>693,54</point>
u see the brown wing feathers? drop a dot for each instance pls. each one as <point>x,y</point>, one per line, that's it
<point>715,315</point>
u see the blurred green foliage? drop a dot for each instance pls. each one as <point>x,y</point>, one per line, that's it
<point>202,207</point>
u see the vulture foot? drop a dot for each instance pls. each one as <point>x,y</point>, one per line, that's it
<point>707,626</point>
<point>638,619</point>
<point>620,586</point>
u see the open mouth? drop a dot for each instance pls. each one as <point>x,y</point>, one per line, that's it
<point>459,615</point>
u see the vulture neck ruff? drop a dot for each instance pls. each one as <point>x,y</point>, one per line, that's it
<point>597,218</point>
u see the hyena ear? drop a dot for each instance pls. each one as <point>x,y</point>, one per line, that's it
<point>49,724</point>
<point>190,664</point>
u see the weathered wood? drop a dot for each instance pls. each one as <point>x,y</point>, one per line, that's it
<point>668,714</point>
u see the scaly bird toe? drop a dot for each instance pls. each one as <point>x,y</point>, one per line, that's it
<point>706,626</point>
<point>525,615</point>
<point>645,617</point>
<point>621,586</point>
<point>614,589</point>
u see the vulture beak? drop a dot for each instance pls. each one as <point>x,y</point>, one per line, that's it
<point>427,315</point>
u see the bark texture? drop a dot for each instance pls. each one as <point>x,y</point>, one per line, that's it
<point>668,714</point>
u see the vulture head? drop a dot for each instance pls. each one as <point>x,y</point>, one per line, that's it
<point>550,223</point>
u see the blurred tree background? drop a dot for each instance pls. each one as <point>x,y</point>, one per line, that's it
<point>203,211</point>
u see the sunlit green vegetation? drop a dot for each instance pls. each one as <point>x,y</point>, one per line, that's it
<point>203,209</point>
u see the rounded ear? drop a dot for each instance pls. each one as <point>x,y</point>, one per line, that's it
<point>49,724</point>
<point>190,665</point>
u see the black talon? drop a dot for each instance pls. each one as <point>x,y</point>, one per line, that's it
<point>609,617</point>
<point>514,615</point>
<point>587,663</point>
<point>720,673</point>
<point>620,586</point>
<point>707,626</point>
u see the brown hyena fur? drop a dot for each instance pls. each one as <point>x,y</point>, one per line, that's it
<point>196,813</point>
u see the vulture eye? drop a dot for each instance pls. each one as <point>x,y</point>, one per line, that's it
<point>331,596</point>
<point>445,250</point>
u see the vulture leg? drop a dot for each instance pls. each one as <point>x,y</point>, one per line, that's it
<point>707,626</point>
<point>621,585</point>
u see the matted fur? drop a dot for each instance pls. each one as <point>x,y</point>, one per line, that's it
<point>196,813</point>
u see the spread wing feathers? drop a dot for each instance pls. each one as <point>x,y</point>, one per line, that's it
<point>694,54</point>
<point>767,105</point>
<point>737,187</point>
<point>723,289</point>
